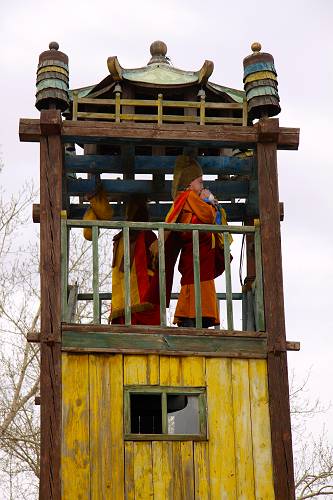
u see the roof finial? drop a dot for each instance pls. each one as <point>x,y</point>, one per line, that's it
<point>158,50</point>
<point>54,46</point>
<point>256,47</point>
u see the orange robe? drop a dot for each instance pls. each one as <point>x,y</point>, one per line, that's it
<point>188,208</point>
<point>143,312</point>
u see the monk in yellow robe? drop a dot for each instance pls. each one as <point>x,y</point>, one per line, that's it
<point>142,269</point>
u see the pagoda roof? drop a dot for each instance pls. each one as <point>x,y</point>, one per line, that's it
<point>159,73</point>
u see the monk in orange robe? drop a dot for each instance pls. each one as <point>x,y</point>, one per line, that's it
<point>142,269</point>
<point>195,205</point>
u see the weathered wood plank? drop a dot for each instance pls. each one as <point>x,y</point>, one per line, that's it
<point>261,432</point>
<point>221,429</point>
<point>163,164</point>
<point>129,471</point>
<point>193,372</point>
<point>169,330</point>
<point>116,422</point>
<point>222,190</point>
<point>51,170</point>
<point>143,470</point>
<point>135,370</point>
<point>201,471</point>
<point>162,469</point>
<point>183,487</point>
<point>170,371</point>
<point>242,430</point>
<point>100,426</point>
<point>75,470</point>
<point>212,135</point>
<point>168,345</point>
<point>274,311</point>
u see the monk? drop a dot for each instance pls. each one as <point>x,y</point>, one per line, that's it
<point>193,204</point>
<point>142,268</point>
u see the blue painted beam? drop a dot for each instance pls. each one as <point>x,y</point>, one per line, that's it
<point>222,190</point>
<point>156,164</point>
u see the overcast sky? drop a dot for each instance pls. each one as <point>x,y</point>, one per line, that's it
<point>299,36</point>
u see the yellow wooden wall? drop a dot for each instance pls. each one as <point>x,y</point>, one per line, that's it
<point>235,462</point>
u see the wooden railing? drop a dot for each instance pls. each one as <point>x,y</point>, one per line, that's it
<point>161,227</point>
<point>161,107</point>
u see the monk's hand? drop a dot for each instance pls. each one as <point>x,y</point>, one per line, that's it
<point>205,194</point>
<point>208,197</point>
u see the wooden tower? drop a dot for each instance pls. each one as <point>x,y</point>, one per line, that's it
<point>98,381</point>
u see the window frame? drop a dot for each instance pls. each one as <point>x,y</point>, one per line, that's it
<point>201,392</point>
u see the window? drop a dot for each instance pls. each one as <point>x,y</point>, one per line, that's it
<point>163,413</point>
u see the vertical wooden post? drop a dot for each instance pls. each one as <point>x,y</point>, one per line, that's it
<point>51,166</point>
<point>274,310</point>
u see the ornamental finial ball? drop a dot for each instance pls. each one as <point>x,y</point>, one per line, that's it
<point>256,47</point>
<point>53,45</point>
<point>158,48</point>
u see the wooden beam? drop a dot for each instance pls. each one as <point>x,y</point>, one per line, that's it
<point>163,330</point>
<point>145,133</point>
<point>222,190</point>
<point>51,163</point>
<point>211,165</point>
<point>175,345</point>
<point>274,311</point>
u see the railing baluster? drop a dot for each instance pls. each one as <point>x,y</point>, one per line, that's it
<point>245,117</point>
<point>202,110</point>
<point>127,277</point>
<point>228,281</point>
<point>96,309</point>
<point>64,264</point>
<point>196,271</point>
<point>244,308</point>
<point>259,284</point>
<point>164,413</point>
<point>160,109</point>
<point>75,104</point>
<point>117,107</point>
<point>161,270</point>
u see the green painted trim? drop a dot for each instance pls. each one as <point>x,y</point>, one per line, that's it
<point>159,389</point>
<point>212,228</point>
<point>228,281</point>
<point>200,392</point>
<point>164,437</point>
<point>96,308</point>
<point>259,289</point>
<point>196,272</point>
<point>147,343</point>
<point>164,412</point>
<point>161,270</point>
<point>127,276</point>
<point>64,267</point>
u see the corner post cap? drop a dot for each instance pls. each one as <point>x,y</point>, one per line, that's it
<point>54,46</point>
<point>158,50</point>
<point>256,47</point>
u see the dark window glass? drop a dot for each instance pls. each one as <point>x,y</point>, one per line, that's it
<point>146,414</point>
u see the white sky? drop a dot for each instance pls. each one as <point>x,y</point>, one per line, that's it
<point>297,33</point>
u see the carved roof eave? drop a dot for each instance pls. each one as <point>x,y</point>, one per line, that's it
<point>160,74</point>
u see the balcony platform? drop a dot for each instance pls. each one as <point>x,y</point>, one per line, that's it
<point>172,341</point>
